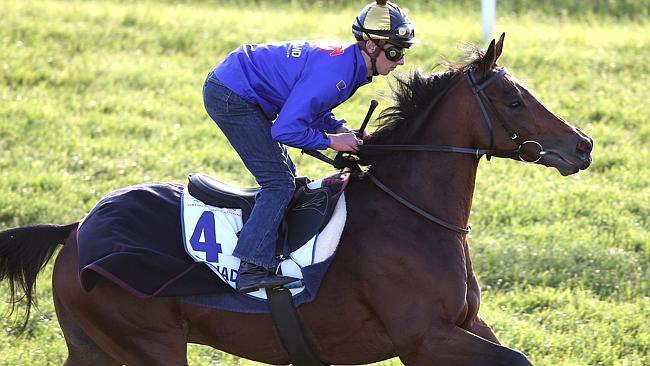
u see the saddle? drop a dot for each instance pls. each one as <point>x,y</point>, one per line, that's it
<point>307,214</point>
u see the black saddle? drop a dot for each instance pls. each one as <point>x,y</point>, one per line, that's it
<point>307,214</point>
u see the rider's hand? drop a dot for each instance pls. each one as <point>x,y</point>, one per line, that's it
<point>365,134</point>
<point>346,141</point>
<point>343,129</point>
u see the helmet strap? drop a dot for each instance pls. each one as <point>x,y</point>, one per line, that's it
<point>373,62</point>
<point>373,56</point>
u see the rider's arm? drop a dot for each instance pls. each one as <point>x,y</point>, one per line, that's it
<point>298,123</point>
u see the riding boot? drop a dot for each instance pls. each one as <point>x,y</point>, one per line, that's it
<point>252,277</point>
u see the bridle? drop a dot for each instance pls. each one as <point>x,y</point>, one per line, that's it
<point>483,101</point>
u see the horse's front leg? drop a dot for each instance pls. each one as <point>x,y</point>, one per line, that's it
<point>479,327</point>
<point>472,322</point>
<point>421,316</point>
<point>445,344</point>
<point>433,340</point>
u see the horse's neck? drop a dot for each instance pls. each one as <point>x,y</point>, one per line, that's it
<point>440,183</point>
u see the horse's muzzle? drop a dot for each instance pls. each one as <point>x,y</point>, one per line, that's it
<point>583,151</point>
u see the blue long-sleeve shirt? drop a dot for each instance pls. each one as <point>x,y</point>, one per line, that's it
<point>297,84</point>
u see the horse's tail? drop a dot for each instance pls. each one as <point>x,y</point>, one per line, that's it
<point>24,251</point>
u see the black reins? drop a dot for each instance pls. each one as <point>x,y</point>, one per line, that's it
<point>340,162</point>
<point>416,209</point>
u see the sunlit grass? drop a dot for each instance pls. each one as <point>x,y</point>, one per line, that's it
<point>98,95</point>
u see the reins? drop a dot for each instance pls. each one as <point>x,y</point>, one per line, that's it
<point>482,100</point>
<point>414,208</point>
<point>351,161</point>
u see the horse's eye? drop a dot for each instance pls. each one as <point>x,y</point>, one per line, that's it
<point>515,105</point>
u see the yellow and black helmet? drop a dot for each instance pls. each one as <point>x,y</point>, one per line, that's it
<point>383,20</point>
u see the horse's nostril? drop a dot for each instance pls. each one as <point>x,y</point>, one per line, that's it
<point>583,148</point>
<point>583,152</point>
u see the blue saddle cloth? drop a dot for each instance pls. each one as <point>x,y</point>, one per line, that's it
<point>133,238</point>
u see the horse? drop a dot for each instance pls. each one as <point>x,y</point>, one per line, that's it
<point>401,283</point>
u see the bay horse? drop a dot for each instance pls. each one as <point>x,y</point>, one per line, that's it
<point>401,284</point>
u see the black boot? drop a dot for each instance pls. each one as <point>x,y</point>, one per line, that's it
<point>252,277</point>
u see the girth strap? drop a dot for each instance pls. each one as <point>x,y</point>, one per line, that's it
<point>289,328</point>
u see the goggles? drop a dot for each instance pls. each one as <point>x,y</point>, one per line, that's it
<point>393,53</point>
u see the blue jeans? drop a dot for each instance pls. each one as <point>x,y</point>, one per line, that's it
<point>249,132</point>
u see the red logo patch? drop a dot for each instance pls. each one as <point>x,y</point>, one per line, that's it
<point>331,47</point>
<point>341,85</point>
<point>337,51</point>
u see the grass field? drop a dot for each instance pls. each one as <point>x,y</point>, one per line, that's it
<point>101,94</point>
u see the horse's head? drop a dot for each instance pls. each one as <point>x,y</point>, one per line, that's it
<point>475,108</point>
<point>515,118</point>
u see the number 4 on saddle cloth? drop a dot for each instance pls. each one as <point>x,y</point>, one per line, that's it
<point>213,214</point>
<point>167,239</point>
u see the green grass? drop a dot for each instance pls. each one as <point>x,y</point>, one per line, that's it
<point>99,95</point>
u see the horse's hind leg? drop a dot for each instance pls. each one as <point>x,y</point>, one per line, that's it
<point>114,327</point>
<point>82,350</point>
<point>136,331</point>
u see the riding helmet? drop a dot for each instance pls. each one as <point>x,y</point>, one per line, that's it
<point>383,20</point>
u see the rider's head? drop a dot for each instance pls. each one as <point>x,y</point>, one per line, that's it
<point>382,27</point>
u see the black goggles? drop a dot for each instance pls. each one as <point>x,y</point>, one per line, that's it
<point>393,53</point>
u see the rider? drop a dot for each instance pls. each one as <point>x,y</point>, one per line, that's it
<point>265,97</point>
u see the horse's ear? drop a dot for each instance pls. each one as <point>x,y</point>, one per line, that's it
<point>499,46</point>
<point>487,62</point>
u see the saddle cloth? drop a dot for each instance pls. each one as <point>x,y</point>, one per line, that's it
<point>133,238</point>
<point>312,226</point>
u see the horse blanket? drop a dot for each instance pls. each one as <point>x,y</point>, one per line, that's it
<point>134,238</point>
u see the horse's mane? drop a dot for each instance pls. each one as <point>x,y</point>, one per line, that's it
<point>414,94</point>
